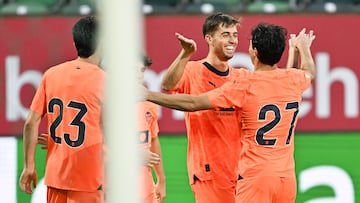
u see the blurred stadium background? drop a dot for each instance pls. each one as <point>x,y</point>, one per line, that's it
<point>35,35</point>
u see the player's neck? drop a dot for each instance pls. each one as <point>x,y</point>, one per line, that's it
<point>217,63</point>
<point>265,67</point>
<point>91,59</point>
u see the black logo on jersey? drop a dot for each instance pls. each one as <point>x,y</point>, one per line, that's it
<point>211,83</point>
<point>227,109</point>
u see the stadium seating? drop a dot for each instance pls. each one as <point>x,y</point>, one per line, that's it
<point>47,7</point>
<point>268,6</point>
<point>27,7</point>
<point>163,6</point>
<point>173,7</point>
<point>79,7</point>
<point>326,6</point>
<point>211,6</point>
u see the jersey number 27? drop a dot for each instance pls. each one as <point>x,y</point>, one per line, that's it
<point>272,124</point>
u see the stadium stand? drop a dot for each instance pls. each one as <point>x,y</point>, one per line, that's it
<point>26,7</point>
<point>210,6</point>
<point>78,7</point>
<point>325,6</point>
<point>268,6</point>
<point>47,7</point>
<point>163,6</point>
<point>174,7</point>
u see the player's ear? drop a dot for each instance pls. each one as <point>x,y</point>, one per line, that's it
<point>208,38</point>
<point>255,52</point>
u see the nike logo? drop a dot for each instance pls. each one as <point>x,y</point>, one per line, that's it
<point>212,84</point>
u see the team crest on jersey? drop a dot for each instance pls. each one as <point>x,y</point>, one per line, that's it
<point>148,117</point>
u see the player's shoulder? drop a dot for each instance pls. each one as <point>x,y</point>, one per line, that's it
<point>242,83</point>
<point>195,64</point>
<point>295,71</point>
<point>149,106</point>
<point>297,75</point>
<point>56,69</point>
<point>240,72</point>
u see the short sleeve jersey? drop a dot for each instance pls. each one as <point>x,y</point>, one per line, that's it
<point>148,128</point>
<point>70,96</point>
<point>268,102</point>
<point>213,135</point>
<point>147,122</point>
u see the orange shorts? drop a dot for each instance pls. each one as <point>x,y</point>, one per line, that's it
<point>210,191</point>
<point>68,196</point>
<point>266,189</point>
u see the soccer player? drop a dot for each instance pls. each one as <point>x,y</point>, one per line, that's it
<point>213,135</point>
<point>148,129</point>
<point>70,96</point>
<point>268,101</point>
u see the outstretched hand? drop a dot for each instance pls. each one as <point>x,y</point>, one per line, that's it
<point>188,45</point>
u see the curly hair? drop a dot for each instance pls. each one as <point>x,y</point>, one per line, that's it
<point>270,42</point>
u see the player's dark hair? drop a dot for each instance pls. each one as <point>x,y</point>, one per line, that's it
<point>270,41</point>
<point>213,22</point>
<point>85,36</point>
<point>146,60</point>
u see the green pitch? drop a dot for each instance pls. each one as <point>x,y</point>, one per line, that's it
<point>335,156</point>
<point>327,167</point>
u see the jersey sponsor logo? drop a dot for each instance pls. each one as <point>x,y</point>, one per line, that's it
<point>227,109</point>
<point>143,137</point>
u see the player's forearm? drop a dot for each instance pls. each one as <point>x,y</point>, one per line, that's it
<point>159,168</point>
<point>293,58</point>
<point>182,102</point>
<point>307,62</point>
<point>30,134</point>
<point>175,71</point>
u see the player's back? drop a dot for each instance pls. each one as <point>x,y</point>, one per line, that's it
<point>74,94</point>
<point>269,116</point>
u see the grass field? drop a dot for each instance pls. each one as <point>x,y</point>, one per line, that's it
<point>312,150</point>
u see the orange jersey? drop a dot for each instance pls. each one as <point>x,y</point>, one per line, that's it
<point>147,122</point>
<point>148,128</point>
<point>213,135</point>
<point>268,102</point>
<point>70,95</point>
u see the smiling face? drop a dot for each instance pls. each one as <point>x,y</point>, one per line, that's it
<point>223,42</point>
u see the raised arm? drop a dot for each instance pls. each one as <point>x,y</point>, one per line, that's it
<point>176,69</point>
<point>293,55</point>
<point>303,44</point>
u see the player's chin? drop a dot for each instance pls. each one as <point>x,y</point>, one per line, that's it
<point>229,56</point>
